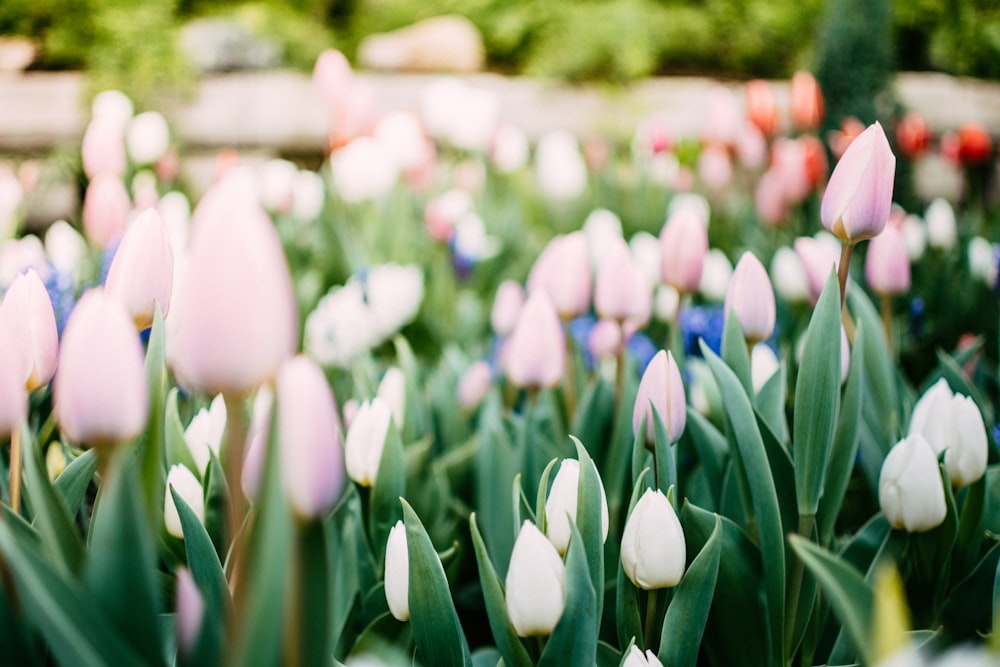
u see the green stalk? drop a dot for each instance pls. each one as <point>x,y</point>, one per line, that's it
<point>806,523</point>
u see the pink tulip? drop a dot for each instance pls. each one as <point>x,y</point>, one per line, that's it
<point>715,168</point>
<point>751,298</point>
<point>103,148</point>
<point>100,394</point>
<point>310,443</point>
<point>762,106</point>
<point>28,311</point>
<point>818,259</point>
<point>858,197</point>
<point>13,396</point>
<point>684,244</point>
<point>106,206</point>
<point>474,385</point>
<point>622,292</point>
<point>661,390</point>
<point>605,339</point>
<point>535,352</point>
<point>256,443</point>
<point>142,272</point>
<point>563,272</point>
<point>190,611</point>
<point>235,308</point>
<point>887,266</point>
<point>769,199</point>
<point>805,101</point>
<point>332,77</point>
<point>506,307</point>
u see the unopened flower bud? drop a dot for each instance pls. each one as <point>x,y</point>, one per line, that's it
<point>397,573</point>
<point>190,490</point>
<point>661,390</point>
<point>561,505</point>
<point>909,489</point>
<point>535,584</point>
<point>366,439</point>
<point>653,550</point>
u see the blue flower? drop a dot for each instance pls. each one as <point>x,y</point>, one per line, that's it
<point>705,322</point>
<point>643,349</point>
<point>62,294</point>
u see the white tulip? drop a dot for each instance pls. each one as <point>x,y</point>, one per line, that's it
<point>204,434</point>
<point>397,573</point>
<point>942,229</point>
<point>561,505</point>
<point>189,489</point>
<point>952,423</point>
<point>637,658</point>
<point>392,390</point>
<point>910,492</point>
<point>653,549</point>
<point>535,584</point>
<point>366,439</point>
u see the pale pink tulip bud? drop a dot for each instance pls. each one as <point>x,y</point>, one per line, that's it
<point>715,275</point>
<point>653,548</point>
<point>103,148</point>
<point>684,243</point>
<point>563,272</point>
<point>621,290</point>
<point>28,312</point>
<point>715,168</point>
<point>751,147</point>
<point>256,443</point>
<point>148,137</point>
<point>506,307</point>
<point>474,384</point>
<point>397,573</point>
<point>535,352</point>
<point>762,106</point>
<point>100,395</point>
<point>142,272</point>
<point>769,199</point>
<point>190,611</point>
<point>106,206</point>
<point>722,116</point>
<point>309,440</point>
<point>535,584</point>
<point>857,198</point>
<point>887,266</point>
<point>818,258</point>
<point>187,486</point>
<point>13,396</point>
<point>561,505</point>
<point>661,396</point>
<point>332,77</point>
<point>751,298</point>
<point>789,161</point>
<point>236,312</point>
<point>805,101</point>
<point>510,150</point>
<point>788,276</point>
<point>605,339</point>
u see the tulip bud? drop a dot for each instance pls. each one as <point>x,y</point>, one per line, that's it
<point>621,291</point>
<point>909,488</point>
<point>982,261</point>
<point>561,505</point>
<point>535,352</point>
<point>509,150</point>
<point>818,258</point>
<point>309,441</point>
<point>769,199</point>
<point>913,135</point>
<point>204,434</point>
<point>474,384</point>
<point>142,272</point>
<point>661,390</point>
<point>636,658</point>
<point>605,339</point>
<point>190,611</point>
<point>563,272</point>
<point>332,77</point>
<point>684,244</point>
<point>764,363</point>
<point>100,394</point>
<point>103,148</point>
<point>788,276</point>
<point>256,444</point>
<point>65,247</point>
<point>857,198</point>
<point>762,106</point>
<point>506,307</point>
<point>887,266</point>
<point>653,550</point>
<point>366,439</point>
<point>190,490</point>
<point>601,228</point>
<point>942,229</point>
<point>13,396</point>
<point>392,390</point>
<point>106,207</point>
<point>28,311</point>
<point>751,298</point>
<point>974,144</point>
<point>715,275</point>
<point>148,137</point>
<point>397,573</point>
<point>715,168</point>
<point>805,101</point>
<point>559,166</point>
<point>952,424</point>
<point>535,584</point>
<point>235,309</point>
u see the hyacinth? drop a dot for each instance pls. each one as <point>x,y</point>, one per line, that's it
<point>858,197</point>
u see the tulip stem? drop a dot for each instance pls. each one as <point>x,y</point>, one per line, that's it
<point>649,632</point>
<point>16,449</point>
<point>806,523</point>
<point>620,378</point>
<point>887,320</point>
<point>843,269</point>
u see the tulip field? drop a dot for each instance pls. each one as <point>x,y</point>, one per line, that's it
<point>461,396</point>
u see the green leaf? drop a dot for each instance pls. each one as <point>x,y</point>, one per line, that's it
<point>510,647</point>
<point>618,461</point>
<point>970,526</point>
<point>735,352</point>
<point>850,596</point>
<point>389,486</point>
<point>150,448</point>
<point>216,504</point>
<point>437,631</point>
<point>312,580</point>
<point>969,607</point>
<point>414,426</point>
<point>684,623</point>
<point>176,444</point>
<point>594,417</point>
<point>710,446</point>
<point>770,403</point>
<point>343,529</point>
<point>663,455</point>
<point>541,520</point>
<point>628,622</point>
<point>845,442</point>
<point>881,395</point>
<point>121,563</point>
<point>589,522</point>
<point>73,481</point>
<point>494,470</point>
<point>764,498</point>
<point>817,397</point>
<point>574,639</point>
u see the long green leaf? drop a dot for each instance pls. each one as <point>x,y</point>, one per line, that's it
<point>312,577</point>
<point>510,647</point>
<point>817,398</point>
<point>770,403</point>
<point>684,623</point>
<point>574,639</point>
<point>628,623</point>
<point>735,352</point>
<point>150,448</point>
<point>389,486</point>
<point>590,523</point>
<point>177,451</point>
<point>72,482</point>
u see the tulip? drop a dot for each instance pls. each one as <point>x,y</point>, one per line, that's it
<point>769,198</point>
<point>982,261</point>
<point>332,77</point>
<point>561,505</point>
<point>187,486</point>
<point>392,390</point>
<point>909,488</point>
<point>605,339</point>
<point>397,573</point>
<point>460,114</point>
<point>13,395</point>
<point>857,198</point>
<point>914,236</point>
<point>276,183</point>
<point>645,249</point>
<point>535,584</point>
<point>788,276</point>
<point>715,275</point>
<point>621,290</point>
<point>952,424</point>
<point>805,101</point>
<point>942,229</point>
<point>661,396</point>
<point>764,364</point>
<point>256,443</point>
<point>190,611</point>
<point>751,299</point>
<point>601,228</point>
<point>653,551</point>
<point>106,207</point>
<point>762,106</point>
<point>974,144</point>
<point>636,658</point>
<point>444,211</point>
<point>65,248</point>
<point>112,105</point>
<point>506,307</point>
<point>148,137</point>
<point>535,352</point>
<point>308,195</point>
<point>715,168</point>
<point>559,166</point>
<point>563,271</point>
<point>363,170</point>
<point>27,309</point>
<point>887,266</point>
<point>204,434</point>
<point>402,133</point>
<point>394,294</point>
<point>666,303</point>
<point>850,129</point>
<point>722,117</point>
<point>684,244</point>
<point>236,319</point>
<point>141,275</point>
<point>100,394</point>
<point>309,441</point>
<point>509,150</point>
<point>818,258</point>
<point>366,440</point>
<point>913,135</point>
<point>103,148</point>
<point>474,384</point>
